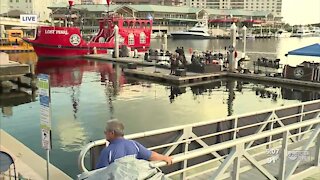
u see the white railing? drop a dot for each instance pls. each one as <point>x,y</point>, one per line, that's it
<point>238,151</point>
<point>188,136</point>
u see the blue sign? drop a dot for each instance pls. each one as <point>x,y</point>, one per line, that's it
<point>45,110</point>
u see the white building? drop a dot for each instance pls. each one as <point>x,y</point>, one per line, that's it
<point>38,7</point>
<point>251,5</point>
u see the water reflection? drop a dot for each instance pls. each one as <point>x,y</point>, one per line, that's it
<point>235,87</point>
<point>68,76</point>
<point>14,98</point>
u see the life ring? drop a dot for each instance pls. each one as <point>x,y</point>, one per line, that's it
<point>59,46</point>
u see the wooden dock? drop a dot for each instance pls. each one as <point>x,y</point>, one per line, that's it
<point>125,60</point>
<point>13,70</point>
<point>274,79</point>
<point>162,75</point>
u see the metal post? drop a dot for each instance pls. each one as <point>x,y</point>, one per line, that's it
<point>233,30</point>
<point>317,152</point>
<point>236,162</point>
<point>48,164</point>
<point>283,155</point>
<point>244,41</point>
<point>184,164</point>
<point>116,41</point>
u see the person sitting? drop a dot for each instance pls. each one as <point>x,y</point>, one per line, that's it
<point>120,147</point>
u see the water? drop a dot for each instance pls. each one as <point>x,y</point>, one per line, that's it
<point>85,94</point>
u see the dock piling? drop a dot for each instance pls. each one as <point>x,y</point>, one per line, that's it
<point>233,32</point>
<point>244,41</point>
<point>165,42</point>
<point>116,41</point>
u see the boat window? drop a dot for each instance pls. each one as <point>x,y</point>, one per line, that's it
<point>131,24</point>
<point>137,25</point>
<point>131,39</point>
<point>143,25</point>
<point>115,23</point>
<point>142,38</point>
<point>125,24</point>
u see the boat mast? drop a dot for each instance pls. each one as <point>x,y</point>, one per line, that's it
<point>70,6</point>
<point>108,3</point>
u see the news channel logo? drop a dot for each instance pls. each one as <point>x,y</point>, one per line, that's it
<point>294,155</point>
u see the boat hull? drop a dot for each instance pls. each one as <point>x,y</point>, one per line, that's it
<point>55,52</point>
<point>283,35</point>
<point>67,42</point>
<point>188,36</point>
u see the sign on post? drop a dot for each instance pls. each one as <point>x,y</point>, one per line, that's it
<point>45,110</point>
<point>28,18</point>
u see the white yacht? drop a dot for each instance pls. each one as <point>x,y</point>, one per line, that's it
<point>303,32</point>
<point>281,33</point>
<point>199,31</point>
<point>315,31</point>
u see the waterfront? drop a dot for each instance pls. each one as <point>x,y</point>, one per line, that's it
<point>81,103</point>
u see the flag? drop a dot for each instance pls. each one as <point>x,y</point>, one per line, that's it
<point>108,2</point>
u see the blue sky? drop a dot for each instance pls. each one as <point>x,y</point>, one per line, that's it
<point>297,12</point>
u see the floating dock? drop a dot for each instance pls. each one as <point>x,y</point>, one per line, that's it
<point>16,49</point>
<point>162,75</point>
<point>13,70</point>
<point>125,60</point>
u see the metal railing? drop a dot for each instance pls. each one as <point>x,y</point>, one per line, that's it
<point>239,150</point>
<point>182,140</point>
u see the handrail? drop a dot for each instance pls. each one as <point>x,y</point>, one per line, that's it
<point>229,144</point>
<point>82,154</point>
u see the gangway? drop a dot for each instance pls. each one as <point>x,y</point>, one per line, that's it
<point>281,143</point>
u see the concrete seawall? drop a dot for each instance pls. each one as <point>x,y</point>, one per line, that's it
<point>28,164</point>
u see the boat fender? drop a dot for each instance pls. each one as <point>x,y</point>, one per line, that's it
<point>95,50</point>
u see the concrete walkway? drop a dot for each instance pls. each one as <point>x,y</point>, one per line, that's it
<point>28,164</point>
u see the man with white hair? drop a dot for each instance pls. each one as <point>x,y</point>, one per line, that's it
<point>120,147</point>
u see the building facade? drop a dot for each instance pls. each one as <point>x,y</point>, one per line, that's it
<point>153,2</point>
<point>165,18</point>
<point>92,2</point>
<point>36,7</point>
<point>250,5</point>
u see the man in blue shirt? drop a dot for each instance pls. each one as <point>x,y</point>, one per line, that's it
<point>120,147</point>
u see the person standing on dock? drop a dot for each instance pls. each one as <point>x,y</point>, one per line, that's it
<point>173,59</point>
<point>120,147</point>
